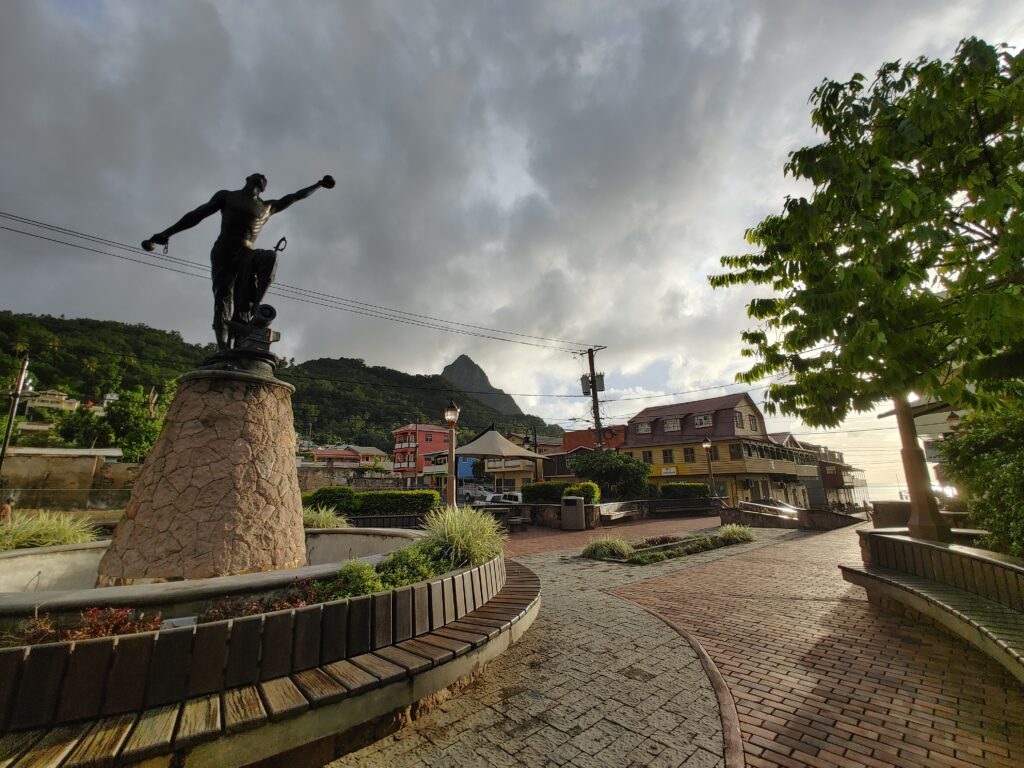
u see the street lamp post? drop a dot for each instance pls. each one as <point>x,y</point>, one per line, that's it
<point>711,474</point>
<point>451,418</point>
<point>19,386</point>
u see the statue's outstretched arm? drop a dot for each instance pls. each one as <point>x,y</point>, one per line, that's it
<point>327,182</point>
<point>187,221</point>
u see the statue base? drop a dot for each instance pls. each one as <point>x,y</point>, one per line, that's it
<point>218,494</point>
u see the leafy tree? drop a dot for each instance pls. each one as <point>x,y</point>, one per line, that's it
<point>902,271</point>
<point>985,459</point>
<point>616,474</point>
<point>135,422</point>
<point>84,429</point>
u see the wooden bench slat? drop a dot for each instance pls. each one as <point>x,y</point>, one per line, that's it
<point>351,676</point>
<point>152,733</point>
<point>53,747</point>
<point>276,646</point>
<point>432,652</point>
<point>282,698</point>
<point>101,744</point>
<point>169,666</point>
<point>436,605</point>
<point>244,652</point>
<point>307,638</point>
<point>14,745</point>
<point>334,632</point>
<point>420,610</point>
<point>209,658</point>
<point>200,720</point>
<point>381,632</point>
<point>464,625</point>
<point>475,639</point>
<point>243,709</point>
<point>458,647</point>
<point>319,687</point>
<point>86,680</point>
<point>485,623</point>
<point>126,686</point>
<point>358,625</point>
<point>409,661</point>
<point>36,702</point>
<point>379,667</point>
<point>402,607</point>
<point>11,662</point>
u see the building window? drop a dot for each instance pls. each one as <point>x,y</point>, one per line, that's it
<point>829,469</point>
<point>689,455</point>
<point>666,456</point>
<point>446,438</point>
<point>752,421</point>
<point>643,428</point>
<point>702,420</point>
<point>671,425</point>
<point>735,451</point>
<point>428,437</point>
<point>738,418</point>
<point>647,458</point>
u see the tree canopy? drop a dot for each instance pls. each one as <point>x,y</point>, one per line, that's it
<point>903,270</point>
<point>618,475</point>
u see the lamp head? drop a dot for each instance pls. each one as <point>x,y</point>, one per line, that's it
<point>707,444</point>
<point>451,414</point>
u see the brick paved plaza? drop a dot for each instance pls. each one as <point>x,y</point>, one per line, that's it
<point>817,675</point>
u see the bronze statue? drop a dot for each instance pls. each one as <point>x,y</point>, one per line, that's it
<point>241,274</point>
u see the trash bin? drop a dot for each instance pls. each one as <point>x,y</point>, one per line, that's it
<point>574,516</point>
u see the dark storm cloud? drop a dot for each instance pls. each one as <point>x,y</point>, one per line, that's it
<point>565,169</point>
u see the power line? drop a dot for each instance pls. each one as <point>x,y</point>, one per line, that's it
<point>294,292</point>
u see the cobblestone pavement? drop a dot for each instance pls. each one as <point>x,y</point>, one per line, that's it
<point>537,539</point>
<point>820,678</point>
<point>597,681</point>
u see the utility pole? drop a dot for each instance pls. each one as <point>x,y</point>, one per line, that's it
<point>593,398</point>
<point>15,397</point>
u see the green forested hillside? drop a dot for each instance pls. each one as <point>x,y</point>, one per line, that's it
<point>87,358</point>
<point>336,401</point>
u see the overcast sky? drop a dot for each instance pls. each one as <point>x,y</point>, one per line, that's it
<point>565,170</point>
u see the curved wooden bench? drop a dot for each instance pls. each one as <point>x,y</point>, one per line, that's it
<point>973,593</point>
<point>258,672</point>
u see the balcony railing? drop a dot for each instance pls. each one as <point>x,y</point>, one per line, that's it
<point>508,465</point>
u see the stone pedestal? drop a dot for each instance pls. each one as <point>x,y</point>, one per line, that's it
<point>218,494</point>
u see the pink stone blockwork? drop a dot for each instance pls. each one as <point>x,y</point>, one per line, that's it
<point>218,494</point>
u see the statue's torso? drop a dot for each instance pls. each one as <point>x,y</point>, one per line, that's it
<point>242,219</point>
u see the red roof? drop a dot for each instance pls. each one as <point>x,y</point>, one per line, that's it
<point>612,437</point>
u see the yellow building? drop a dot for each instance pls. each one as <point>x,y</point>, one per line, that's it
<point>746,463</point>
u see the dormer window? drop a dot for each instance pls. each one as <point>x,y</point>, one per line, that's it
<point>671,425</point>
<point>702,420</point>
<point>738,420</point>
<point>643,428</point>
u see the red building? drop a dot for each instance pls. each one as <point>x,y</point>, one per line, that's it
<point>612,437</point>
<point>412,443</point>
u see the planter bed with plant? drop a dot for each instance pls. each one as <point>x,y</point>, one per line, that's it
<point>246,666</point>
<point>657,549</point>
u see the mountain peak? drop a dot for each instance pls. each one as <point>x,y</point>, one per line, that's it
<point>470,377</point>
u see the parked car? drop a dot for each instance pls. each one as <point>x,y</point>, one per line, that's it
<point>471,493</point>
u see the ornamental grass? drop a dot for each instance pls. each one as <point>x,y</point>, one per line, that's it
<point>45,529</point>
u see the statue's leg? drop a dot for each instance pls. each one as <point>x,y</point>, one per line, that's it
<point>223,278</point>
<point>264,265</point>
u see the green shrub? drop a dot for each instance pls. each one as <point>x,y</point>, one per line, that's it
<point>398,502</point>
<point>590,492</point>
<point>322,517</point>
<point>354,578</point>
<point>685,491</point>
<point>45,529</point>
<point>653,491</point>
<point>700,544</point>
<point>307,498</point>
<point>408,565</point>
<point>343,498</point>
<point>735,534</point>
<point>463,536</point>
<point>646,558</point>
<point>547,492</point>
<point>607,546</point>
